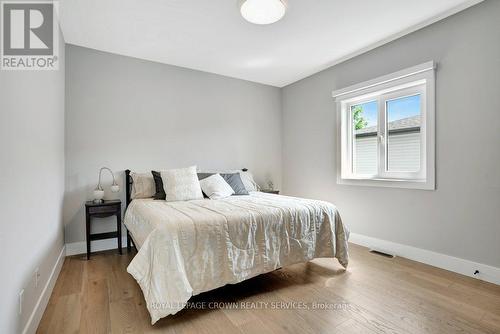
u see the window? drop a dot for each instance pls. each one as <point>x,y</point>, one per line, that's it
<point>386,130</point>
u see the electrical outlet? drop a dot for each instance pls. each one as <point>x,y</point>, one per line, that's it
<point>37,277</point>
<point>21,299</point>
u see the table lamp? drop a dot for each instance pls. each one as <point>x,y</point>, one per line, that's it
<point>99,192</point>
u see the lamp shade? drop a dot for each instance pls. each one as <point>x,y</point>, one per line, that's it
<point>98,195</point>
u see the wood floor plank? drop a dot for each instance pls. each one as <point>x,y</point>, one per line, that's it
<point>72,276</point>
<point>375,295</point>
<point>405,310</point>
<point>254,326</point>
<point>317,324</point>
<point>97,315</point>
<point>123,316</point>
<point>395,275</point>
<point>352,327</point>
<point>415,301</point>
<point>491,321</point>
<point>66,317</point>
<point>44,324</point>
<point>121,284</point>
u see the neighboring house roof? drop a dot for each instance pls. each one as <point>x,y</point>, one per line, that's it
<point>400,125</point>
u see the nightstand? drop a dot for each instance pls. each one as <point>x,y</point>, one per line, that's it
<point>102,210</point>
<point>270,191</point>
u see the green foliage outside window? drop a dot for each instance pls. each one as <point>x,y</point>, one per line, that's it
<point>357,118</point>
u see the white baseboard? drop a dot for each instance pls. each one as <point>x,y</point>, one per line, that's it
<point>465,267</point>
<point>96,246</point>
<point>43,300</point>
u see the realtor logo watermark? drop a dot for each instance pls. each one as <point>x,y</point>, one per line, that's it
<point>29,35</point>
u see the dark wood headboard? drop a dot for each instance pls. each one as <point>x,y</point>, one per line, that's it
<point>128,188</point>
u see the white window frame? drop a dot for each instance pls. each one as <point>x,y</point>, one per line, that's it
<point>420,80</point>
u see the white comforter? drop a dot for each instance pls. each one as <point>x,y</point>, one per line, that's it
<point>186,248</point>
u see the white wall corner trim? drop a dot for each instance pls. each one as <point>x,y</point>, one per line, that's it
<point>465,267</point>
<point>80,247</point>
<point>43,300</point>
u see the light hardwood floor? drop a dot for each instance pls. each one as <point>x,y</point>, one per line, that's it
<point>375,295</point>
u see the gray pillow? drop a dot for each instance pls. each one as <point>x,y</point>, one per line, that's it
<point>233,179</point>
<point>202,176</point>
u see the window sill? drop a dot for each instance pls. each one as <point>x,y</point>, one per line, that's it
<point>389,183</point>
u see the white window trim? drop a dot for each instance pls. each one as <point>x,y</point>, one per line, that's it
<point>400,82</point>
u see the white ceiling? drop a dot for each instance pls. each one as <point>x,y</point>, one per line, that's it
<point>211,35</point>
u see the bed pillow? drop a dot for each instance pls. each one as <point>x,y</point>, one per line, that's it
<point>181,184</point>
<point>143,185</point>
<point>202,176</point>
<point>247,179</point>
<point>159,192</point>
<point>233,179</point>
<point>216,187</point>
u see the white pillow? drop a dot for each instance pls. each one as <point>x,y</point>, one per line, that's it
<point>248,181</point>
<point>215,187</point>
<point>181,184</point>
<point>143,185</point>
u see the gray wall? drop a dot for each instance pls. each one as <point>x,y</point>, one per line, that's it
<point>127,113</point>
<point>462,217</point>
<point>32,185</point>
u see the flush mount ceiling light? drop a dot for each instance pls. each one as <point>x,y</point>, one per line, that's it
<point>263,11</point>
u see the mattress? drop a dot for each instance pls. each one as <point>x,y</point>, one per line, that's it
<point>186,248</point>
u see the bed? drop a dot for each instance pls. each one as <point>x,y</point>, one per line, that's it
<point>189,247</point>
